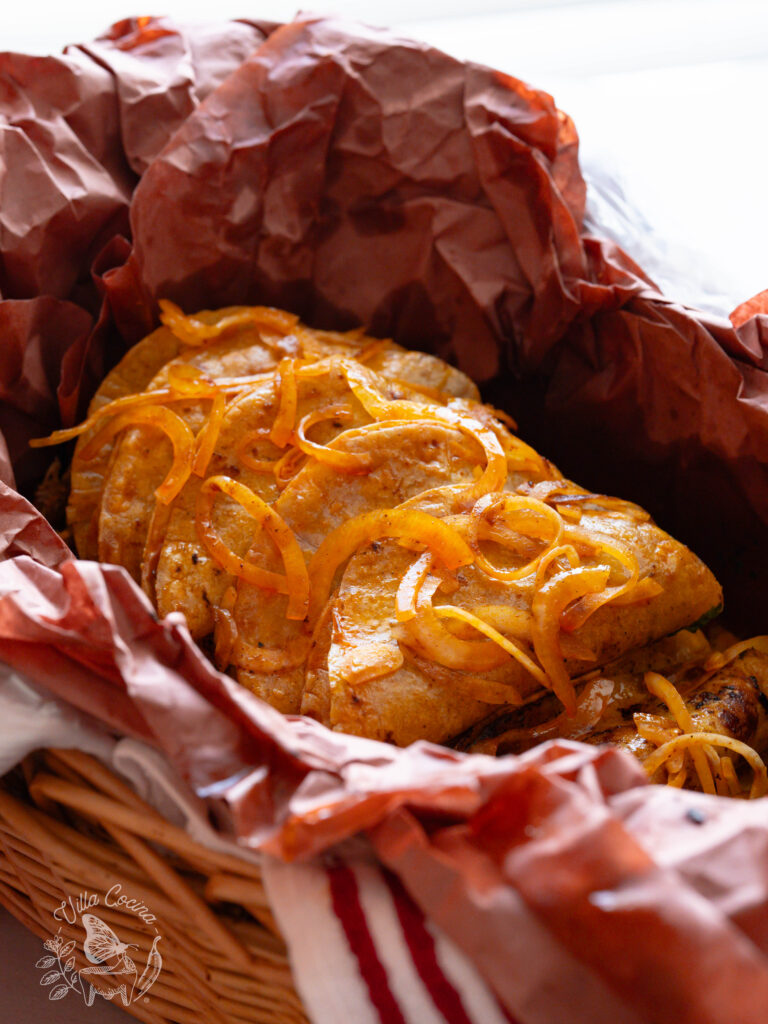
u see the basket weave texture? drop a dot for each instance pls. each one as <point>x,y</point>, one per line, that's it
<point>69,826</point>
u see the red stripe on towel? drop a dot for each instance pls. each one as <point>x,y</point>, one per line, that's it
<point>421,945</point>
<point>347,907</point>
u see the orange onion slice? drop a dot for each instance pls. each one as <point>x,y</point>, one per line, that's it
<point>270,659</point>
<point>230,385</point>
<point>517,623</point>
<point>344,462</point>
<point>282,429</point>
<point>205,443</point>
<point>379,407</point>
<point>406,599</point>
<point>729,774</point>
<point>288,466</point>
<point>295,583</point>
<point>521,458</point>
<point>173,427</point>
<point>566,551</point>
<point>591,704</point>
<point>119,405</point>
<point>549,603</point>
<point>644,590</point>
<point>590,707</point>
<point>584,608</point>
<point>661,687</point>
<point>503,417</point>
<point>187,379</point>
<point>562,492</point>
<point>504,506</point>
<point>720,658</point>
<point>450,611</point>
<point>372,349</point>
<point>159,396</point>
<point>422,630</point>
<point>657,729</point>
<point>712,739</point>
<point>244,456</point>
<point>428,637</point>
<point>445,543</point>
<point>193,332</point>
<point>153,546</point>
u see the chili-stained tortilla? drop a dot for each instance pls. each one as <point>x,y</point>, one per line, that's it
<point>142,456</point>
<point>124,504</point>
<point>187,578</point>
<point>132,374</point>
<point>361,539</point>
<point>383,683</point>
<point>405,459</point>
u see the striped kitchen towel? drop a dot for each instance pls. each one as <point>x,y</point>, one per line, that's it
<point>363,952</point>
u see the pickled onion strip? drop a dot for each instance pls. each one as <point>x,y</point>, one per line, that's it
<point>506,619</point>
<point>406,599</point>
<point>187,379</point>
<point>205,443</point>
<point>244,456</point>
<point>714,739</point>
<point>562,492</point>
<point>194,332</point>
<point>657,730</point>
<point>591,704</point>
<point>173,427</point>
<point>286,468</point>
<point>492,503</point>
<point>729,774</point>
<point>413,607</point>
<point>344,462</point>
<point>426,635</point>
<point>522,458</point>
<point>661,688</point>
<point>517,623</point>
<point>295,583</point>
<point>720,658</point>
<point>282,429</point>
<point>379,407</point>
<point>549,603</point>
<point>448,546</point>
<point>583,609</point>
<point>153,546</point>
<point>269,659</point>
<point>503,417</point>
<point>114,408</point>
<point>453,612</point>
<point>567,551</point>
<point>644,590</point>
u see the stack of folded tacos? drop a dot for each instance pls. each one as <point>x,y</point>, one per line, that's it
<point>353,536</point>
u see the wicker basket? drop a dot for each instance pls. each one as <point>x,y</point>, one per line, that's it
<point>68,826</point>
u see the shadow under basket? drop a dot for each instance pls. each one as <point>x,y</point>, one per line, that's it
<point>71,831</point>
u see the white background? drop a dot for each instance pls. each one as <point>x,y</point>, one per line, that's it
<point>668,95</point>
